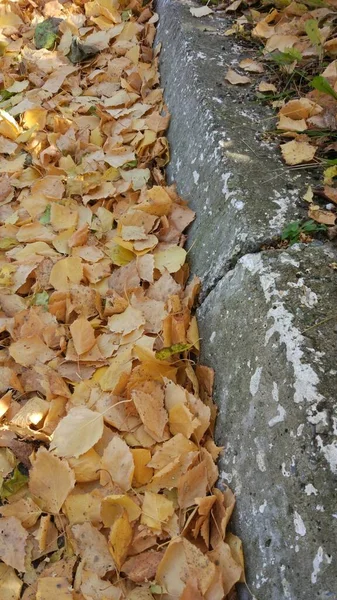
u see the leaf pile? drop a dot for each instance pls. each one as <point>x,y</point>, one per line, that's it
<point>299,48</point>
<point>106,451</point>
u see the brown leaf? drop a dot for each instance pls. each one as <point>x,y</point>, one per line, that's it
<point>13,538</point>
<point>235,78</point>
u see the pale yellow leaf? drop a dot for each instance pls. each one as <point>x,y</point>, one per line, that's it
<point>77,432</point>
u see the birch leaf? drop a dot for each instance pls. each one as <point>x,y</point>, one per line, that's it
<point>77,432</point>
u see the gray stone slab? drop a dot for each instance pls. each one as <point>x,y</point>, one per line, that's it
<point>232,177</point>
<point>269,329</point>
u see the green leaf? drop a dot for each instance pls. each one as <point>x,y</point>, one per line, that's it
<point>7,243</point>
<point>41,299</point>
<point>45,217</point>
<point>156,589</point>
<point>174,349</point>
<point>47,33</point>
<point>81,52</point>
<point>5,95</point>
<point>126,15</point>
<point>13,484</point>
<point>314,35</point>
<point>312,227</point>
<point>322,85</point>
<point>315,3</point>
<point>287,57</point>
<point>291,231</point>
<point>131,164</point>
<point>313,32</point>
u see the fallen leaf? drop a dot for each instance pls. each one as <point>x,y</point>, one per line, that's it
<point>13,538</point>
<point>295,153</point>
<point>77,432</point>
<point>117,464</point>
<point>235,78</point>
<point>252,66</point>
<point>10,584</point>
<point>201,11</point>
<point>322,216</point>
<point>120,539</point>
<point>50,492</point>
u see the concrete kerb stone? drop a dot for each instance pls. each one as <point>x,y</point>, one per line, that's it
<point>275,387</point>
<point>267,319</point>
<point>242,193</point>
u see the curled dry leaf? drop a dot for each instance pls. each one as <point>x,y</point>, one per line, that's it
<point>264,86</point>
<point>252,66</point>
<point>235,78</point>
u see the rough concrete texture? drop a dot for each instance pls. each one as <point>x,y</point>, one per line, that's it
<point>268,320</point>
<point>232,177</point>
<point>275,385</point>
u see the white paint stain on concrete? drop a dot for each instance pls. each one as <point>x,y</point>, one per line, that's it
<point>310,489</point>
<point>319,559</point>
<point>255,381</point>
<point>196,177</point>
<point>330,454</point>
<point>281,413</point>
<point>262,507</point>
<point>306,379</point>
<point>260,456</point>
<point>300,528</point>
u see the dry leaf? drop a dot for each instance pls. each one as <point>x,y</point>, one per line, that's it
<point>77,432</point>
<point>10,584</point>
<point>252,66</point>
<point>295,153</point>
<point>235,78</point>
<point>120,539</point>
<point>117,464</point>
<point>201,11</point>
<point>13,538</point>
<point>50,492</point>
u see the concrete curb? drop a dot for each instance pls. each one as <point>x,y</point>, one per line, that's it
<point>264,316</point>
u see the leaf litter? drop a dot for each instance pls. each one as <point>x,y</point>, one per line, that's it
<point>108,464</point>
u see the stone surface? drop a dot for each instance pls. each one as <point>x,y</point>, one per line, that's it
<point>269,329</point>
<point>231,176</point>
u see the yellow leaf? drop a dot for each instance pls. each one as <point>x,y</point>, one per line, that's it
<point>6,275</point>
<point>295,153</point>
<point>53,588</point>
<point>87,466</point>
<point>171,259</point>
<point>156,510</point>
<point>49,492</point>
<point>120,539</point>
<point>83,335</point>
<point>10,584</point>
<point>77,432</point>
<point>80,508</point>
<point>113,507</point>
<point>8,126</point>
<point>143,474</point>
<point>66,271</point>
